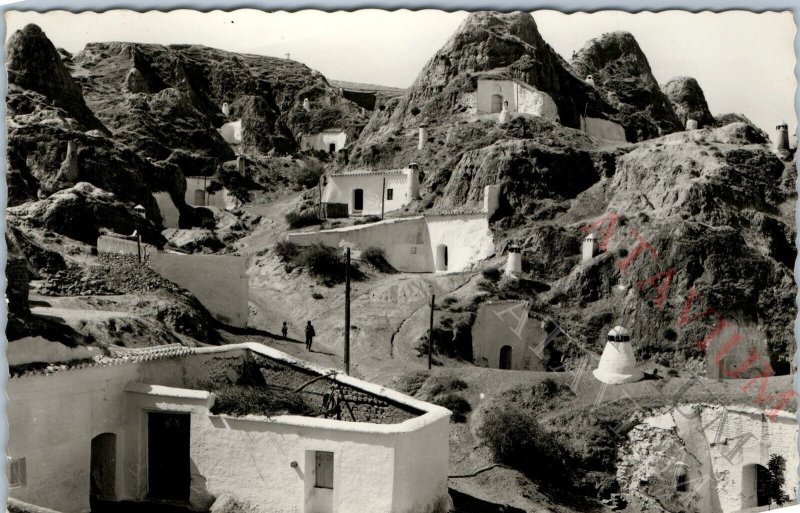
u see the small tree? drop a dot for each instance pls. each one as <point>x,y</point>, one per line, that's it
<point>776,479</point>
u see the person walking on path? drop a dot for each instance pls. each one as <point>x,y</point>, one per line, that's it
<point>309,335</point>
<point>284,330</point>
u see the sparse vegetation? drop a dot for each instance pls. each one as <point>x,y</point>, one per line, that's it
<point>376,257</point>
<point>456,404</point>
<point>251,400</point>
<point>322,262</point>
<point>300,220</point>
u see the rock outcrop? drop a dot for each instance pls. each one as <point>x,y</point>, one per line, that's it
<point>81,212</point>
<point>688,100</point>
<point>33,63</point>
<point>621,72</point>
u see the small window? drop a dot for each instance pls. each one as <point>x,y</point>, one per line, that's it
<point>389,194</point>
<point>16,472</point>
<point>324,469</point>
<point>413,250</point>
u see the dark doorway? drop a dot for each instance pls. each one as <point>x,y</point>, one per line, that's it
<point>199,197</point>
<point>762,486</point>
<point>332,148</point>
<point>505,357</point>
<point>358,199</point>
<point>103,473</point>
<point>168,474</point>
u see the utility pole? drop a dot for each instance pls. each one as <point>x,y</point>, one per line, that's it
<point>320,197</point>
<point>139,247</point>
<point>347,315</point>
<point>430,335</point>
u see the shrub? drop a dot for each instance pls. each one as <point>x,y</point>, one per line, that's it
<point>308,173</point>
<point>316,295</point>
<point>516,439</point>
<point>287,250</point>
<point>456,404</point>
<point>325,263</point>
<point>410,383</point>
<point>299,220</point>
<point>492,274</point>
<point>445,385</point>
<point>367,220</point>
<point>375,257</point>
<point>252,400</point>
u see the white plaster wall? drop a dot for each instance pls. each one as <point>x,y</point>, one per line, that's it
<point>219,282</point>
<point>496,325</point>
<point>769,437</point>
<point>340,190</point>
<point>169,212</point>
<point>232,132</point>
<point>534,102</point>
<point>603,129</point>
<point>704,437</point>
<point>323,140</point>
<point>420,470</point>
<point>115,245</point>
<point>467,237</point>
<point>397,237</point>
<point>51,422</point>
<point>221,200</point>
<point>488,88</point>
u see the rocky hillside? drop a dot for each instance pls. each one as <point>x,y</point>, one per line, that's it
<point>621,72</point>
<point>141,117</point>
<point>688,100</point>
<point>503,45</point>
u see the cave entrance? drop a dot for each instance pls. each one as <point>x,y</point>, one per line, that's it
<point>755,479</point>
<point>168,465</point>
<point>505,357</point>
<point>103,473</point>
<point>497,103</point>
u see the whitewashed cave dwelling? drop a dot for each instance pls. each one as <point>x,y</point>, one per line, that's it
<point>369,193</point>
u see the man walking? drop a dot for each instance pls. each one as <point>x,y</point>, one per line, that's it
<point>284,330</point>
<point>310,333</point>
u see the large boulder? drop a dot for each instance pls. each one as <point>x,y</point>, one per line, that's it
<point>688,100</point>
<point>81,212</point>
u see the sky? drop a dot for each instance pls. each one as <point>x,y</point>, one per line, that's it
<point>743,61</point>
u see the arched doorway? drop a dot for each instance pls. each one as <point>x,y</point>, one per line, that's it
<point>755,479</point>
<point>103,472</point>
<point>358,200</point>
<point>199,197</point>
<point>497,103</point>
<point>505,357</point>
<point>441,257</point>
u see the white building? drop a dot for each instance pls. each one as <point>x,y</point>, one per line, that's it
<point>330,140</point>
<point>372,192</point>
<point>522,98</point>
<point>197,195</point>
<point>503,337</point>
<point>138,426</point>
<point>440,241</point>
